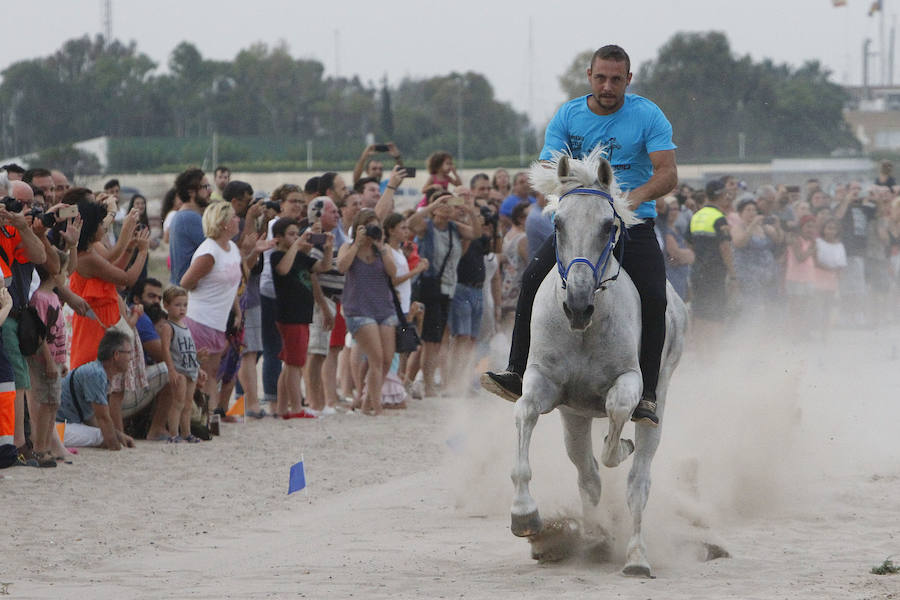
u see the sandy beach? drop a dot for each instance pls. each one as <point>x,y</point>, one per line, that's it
<point>786,454</point>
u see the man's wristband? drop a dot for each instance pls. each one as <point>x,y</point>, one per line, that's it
<point>392,188</point>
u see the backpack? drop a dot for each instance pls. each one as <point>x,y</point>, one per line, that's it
<point>32,330</point>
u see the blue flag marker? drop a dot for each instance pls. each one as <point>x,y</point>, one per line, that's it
<point>298,478</point>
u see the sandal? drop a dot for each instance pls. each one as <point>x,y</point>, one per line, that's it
<point>176,439</point>
<point>44,459</point>
<point>191,439</point>
<point>257,414</point>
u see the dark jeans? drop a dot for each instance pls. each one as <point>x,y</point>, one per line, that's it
<point>644,263</point>
<point>271,340</point>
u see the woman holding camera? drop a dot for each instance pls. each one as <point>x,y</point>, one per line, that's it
<point>96,277</point>
<point>440,226</point>
<point>367,302</point>
<point>755,238</point>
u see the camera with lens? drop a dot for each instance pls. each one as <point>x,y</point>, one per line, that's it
<point>373,231</point>
<point>488,215</point>
<point>272,205</point>
<point>11,204</point>
<point>38,214</point>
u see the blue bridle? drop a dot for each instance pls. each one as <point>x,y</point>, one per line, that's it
<point>598,268</point>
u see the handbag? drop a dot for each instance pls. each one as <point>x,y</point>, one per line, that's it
<point>406,339</point>
<point>32,330</point>
<point>428,287</point>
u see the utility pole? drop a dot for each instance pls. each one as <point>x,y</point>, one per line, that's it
<point>890,80</point>
<point>459,120</point>
<point>107,21</point>
<point>881,47</point>
<point>865,68</point>
<point>337,53</point>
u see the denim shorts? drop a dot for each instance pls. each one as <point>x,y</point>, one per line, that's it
<point>355,323</point>
<point>465,310</point>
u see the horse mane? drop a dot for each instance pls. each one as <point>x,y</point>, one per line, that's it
<point>582,173</point>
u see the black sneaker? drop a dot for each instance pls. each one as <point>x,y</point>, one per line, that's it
<point>646,412</point>
<point>506,384</point>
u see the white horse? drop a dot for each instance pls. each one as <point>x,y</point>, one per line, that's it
<point>585,332</point>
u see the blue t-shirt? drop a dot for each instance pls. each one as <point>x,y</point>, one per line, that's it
<point>147,333</point>
<point>630,134</point>
<point>538,227</point>
<point>509,203</point>
<point>90,388</point>
<point>185,236</point>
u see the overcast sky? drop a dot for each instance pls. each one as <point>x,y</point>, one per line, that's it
<point>418,39</point>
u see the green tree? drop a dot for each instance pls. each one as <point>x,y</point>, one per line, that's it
<point>70,160</point>
<point>427,113</point>
<point>711,96</point>
<point>574,81</point>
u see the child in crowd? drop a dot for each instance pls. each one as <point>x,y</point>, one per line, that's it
<point>47,367</point>
<point>831,258</point>
<point>441,173</point>
<point>800,274</point>
<point>184,371</point>
<point>291,266</point>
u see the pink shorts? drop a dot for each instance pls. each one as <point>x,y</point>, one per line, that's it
<point>206,337</point>
<point>294,342</point>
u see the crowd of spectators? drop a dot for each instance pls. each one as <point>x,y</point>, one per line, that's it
<point>803,256</point>
<point>315,280</point>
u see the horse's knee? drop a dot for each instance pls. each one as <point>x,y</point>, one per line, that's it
<point>525,411</point>
<point>623,397</point>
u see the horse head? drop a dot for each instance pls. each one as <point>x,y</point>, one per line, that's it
<point>591,214</point>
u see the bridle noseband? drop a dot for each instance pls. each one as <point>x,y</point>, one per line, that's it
<point>598,268</point>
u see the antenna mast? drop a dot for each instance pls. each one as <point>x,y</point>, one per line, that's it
<point>107,21</point>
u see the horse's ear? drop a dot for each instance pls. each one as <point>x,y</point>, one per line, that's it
<point>605,172</point>
<point>562,170</point>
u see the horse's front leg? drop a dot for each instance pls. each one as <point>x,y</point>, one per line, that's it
<point>647,438</point>
<point>539,395</point>
<point>621,401</point>
<point>577,433</point>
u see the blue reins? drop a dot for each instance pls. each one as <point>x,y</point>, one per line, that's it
<point>598,268</point>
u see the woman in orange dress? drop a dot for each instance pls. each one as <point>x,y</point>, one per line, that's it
<point>98,273</point>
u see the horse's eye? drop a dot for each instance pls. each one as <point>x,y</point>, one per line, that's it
<point>605,228</point>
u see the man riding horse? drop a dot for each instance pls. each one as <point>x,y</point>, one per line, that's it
<point>638,142</point>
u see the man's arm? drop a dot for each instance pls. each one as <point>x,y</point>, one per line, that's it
<point>30,243</point>
<point>385,205</point>
<point>725,249</point>
<point>418,221</point>
<point>663,180</point>
<point>103,420</point>
<point>156,350</point>
<point>52,262</point>
<point>361,163</point>
<point>319,298</point>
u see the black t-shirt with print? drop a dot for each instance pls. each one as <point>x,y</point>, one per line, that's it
<point>293,292</point>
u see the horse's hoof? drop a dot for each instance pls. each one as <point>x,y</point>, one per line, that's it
<point>558,540</point>
<point>637,571</point>
<point>526,525</point>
